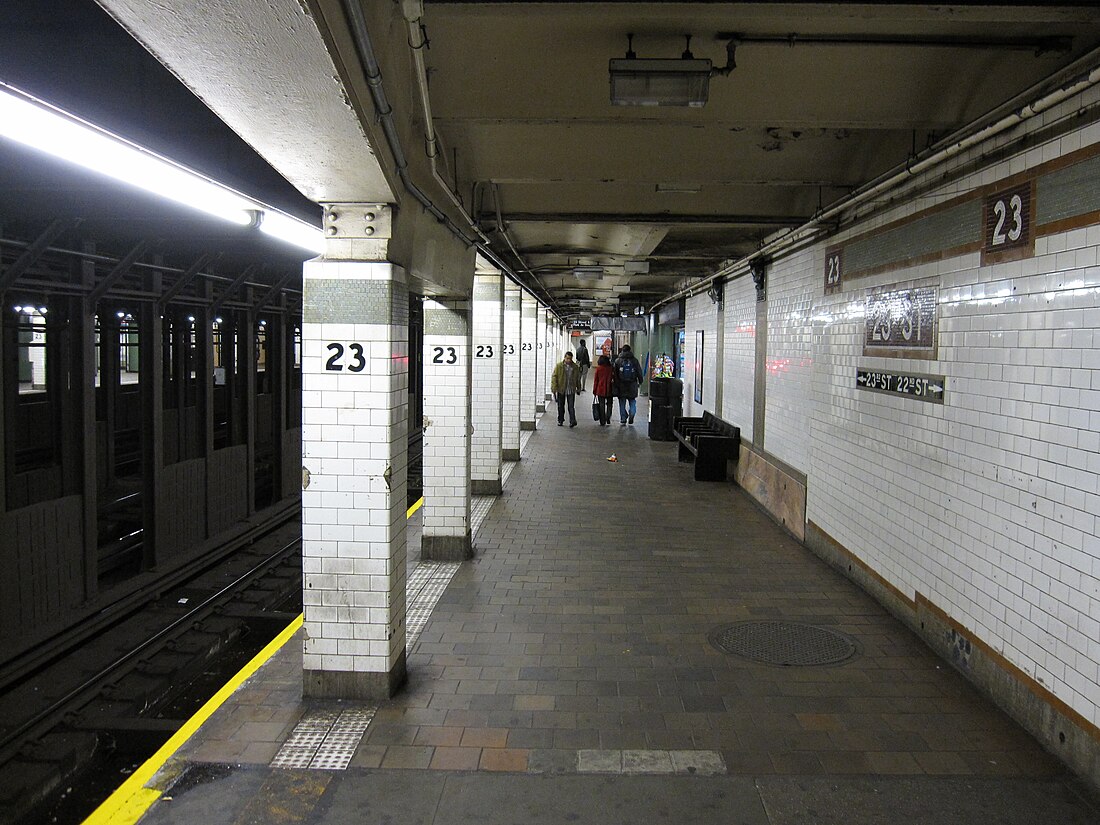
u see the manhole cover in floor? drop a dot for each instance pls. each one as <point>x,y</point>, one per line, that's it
<point>784,643</point>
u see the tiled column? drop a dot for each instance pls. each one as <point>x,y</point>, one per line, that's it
<point>554,351</point>
<point>510,397</point>
<point>488,375</point>
<point>446,520</point>
<point>542,344</point>
<point>528,373</point>
<point>354,443</point>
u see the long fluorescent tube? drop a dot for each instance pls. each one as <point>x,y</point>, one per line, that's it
<point>39,125</point>
<point>292,231</point>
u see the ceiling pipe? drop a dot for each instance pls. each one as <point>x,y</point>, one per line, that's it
<point>1080,75</point>
<point>365,48</point>
<point>413,11</point>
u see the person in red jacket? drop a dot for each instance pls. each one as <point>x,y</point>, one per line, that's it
<point>603,381</point>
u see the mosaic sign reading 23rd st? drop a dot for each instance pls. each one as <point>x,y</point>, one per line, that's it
<point>901,323</point>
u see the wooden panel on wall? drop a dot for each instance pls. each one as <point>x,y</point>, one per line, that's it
<point>181,510</point>
<point>227,487</point>
<point>42,556</point>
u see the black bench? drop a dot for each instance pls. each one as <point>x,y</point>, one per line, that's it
<point>710,441</point>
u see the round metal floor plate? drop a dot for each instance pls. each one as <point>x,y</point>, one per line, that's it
<point>784,643</point>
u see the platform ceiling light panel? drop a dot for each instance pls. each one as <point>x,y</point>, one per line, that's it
<point>657,81</point>
<point>588,273</point>
<point>37,124</point>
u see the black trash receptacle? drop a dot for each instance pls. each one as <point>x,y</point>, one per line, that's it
<point>666,403</point>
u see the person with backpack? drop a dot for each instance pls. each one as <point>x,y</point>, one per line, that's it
<point>584,360</point>
<point>628,379</point>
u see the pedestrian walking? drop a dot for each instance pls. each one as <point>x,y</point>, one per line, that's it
<point>564,384</point>
<point>603,388</point>
<point>584,360</point>
<point>628,378</point>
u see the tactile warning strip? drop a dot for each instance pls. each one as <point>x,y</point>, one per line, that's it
<point>479,511</point>
<point>426,584</point>
<point>324,740</point>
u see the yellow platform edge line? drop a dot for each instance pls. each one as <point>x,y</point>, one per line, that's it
<point>132,799</point>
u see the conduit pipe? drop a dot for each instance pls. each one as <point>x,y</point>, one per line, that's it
<point>365,47</point>
<point>1080,75</point>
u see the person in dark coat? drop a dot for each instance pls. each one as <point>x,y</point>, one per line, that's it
<point>584,360</point>
<point>603,387</point>
<point>628,378</point>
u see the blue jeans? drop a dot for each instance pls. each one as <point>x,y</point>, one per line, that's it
<point>624,403</point>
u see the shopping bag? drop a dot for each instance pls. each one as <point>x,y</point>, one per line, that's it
<point>595,409</point>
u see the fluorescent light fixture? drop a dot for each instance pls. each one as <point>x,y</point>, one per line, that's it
<point>659,82</point>
<point>636,268</point>
<point>677,188</point>
<point>588,273</point>
<point>37,124</point>
<point>292,231</point>
<point>43,127</point>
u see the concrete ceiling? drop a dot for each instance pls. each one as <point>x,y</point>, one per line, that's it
<point>824,97</point>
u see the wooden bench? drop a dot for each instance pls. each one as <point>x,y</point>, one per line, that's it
<point>710,442</point>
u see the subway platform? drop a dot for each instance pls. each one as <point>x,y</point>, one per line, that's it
<point>574,672</point>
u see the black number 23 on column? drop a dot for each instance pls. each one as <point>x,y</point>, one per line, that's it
<point>444,355</point>
<point>355,360</point>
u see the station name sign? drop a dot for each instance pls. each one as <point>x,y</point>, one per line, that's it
<point>924,387</point>
<point>901,319</point>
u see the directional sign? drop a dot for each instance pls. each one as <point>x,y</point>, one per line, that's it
<point>924,387</point>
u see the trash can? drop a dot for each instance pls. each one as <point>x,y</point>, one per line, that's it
<point>666,403</point>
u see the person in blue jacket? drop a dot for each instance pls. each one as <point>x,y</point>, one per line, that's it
<point>628,378</point>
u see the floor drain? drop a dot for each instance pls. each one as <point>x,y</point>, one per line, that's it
<point>784,643</point>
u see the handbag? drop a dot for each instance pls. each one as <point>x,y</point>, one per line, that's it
<point>595,409</point>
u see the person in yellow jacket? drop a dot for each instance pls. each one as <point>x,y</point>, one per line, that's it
<point>565,383</point>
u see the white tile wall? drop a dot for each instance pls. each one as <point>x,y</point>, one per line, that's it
<point>488,373</point>
<point>528,349</point>
<point>789,363</point>
<point>988,504</point>
<point>510,397</point>
<point>542,347</point>
<point>447,445</point>
<point>739,354</point>
<point>700,313</point>
<point>354,428</point>
<point>552,353</point>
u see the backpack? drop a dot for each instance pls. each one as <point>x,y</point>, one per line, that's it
<point>627,372</point>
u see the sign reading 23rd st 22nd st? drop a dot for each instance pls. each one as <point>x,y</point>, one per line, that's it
<point>924,387</point>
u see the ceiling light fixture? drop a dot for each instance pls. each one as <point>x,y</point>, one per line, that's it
<point>588,273</point>
<point>37,124</point>
<point>664,82</point>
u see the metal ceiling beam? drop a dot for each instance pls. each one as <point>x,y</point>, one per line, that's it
<point>120,270</point>
<point>187,277</point>
<point>229,290</point>
<point>35,251</point>
<point>1037,45</point>
<point>275,290</point>
<point>652,218</point>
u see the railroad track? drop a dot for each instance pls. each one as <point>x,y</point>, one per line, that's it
<point>70,729</point>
